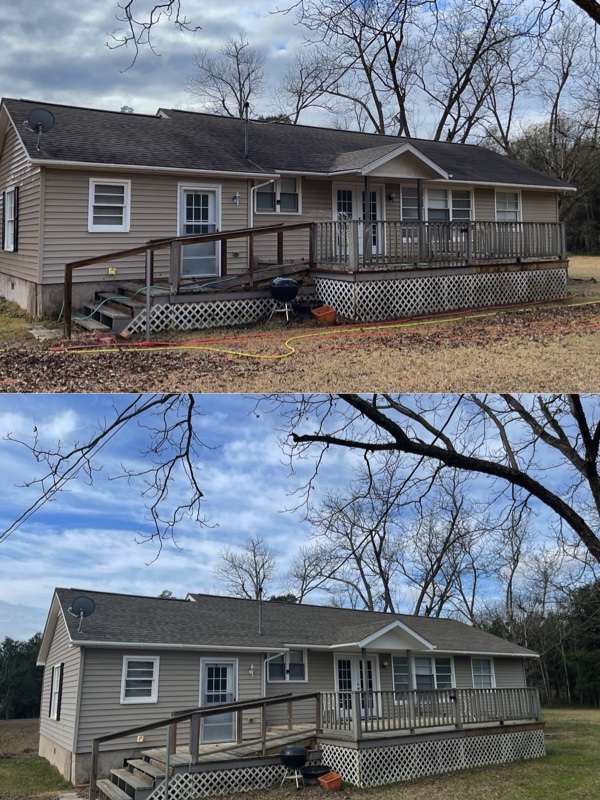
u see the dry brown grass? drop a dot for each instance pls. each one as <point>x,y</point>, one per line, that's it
<point>19,737</point>
<point>539,348</point>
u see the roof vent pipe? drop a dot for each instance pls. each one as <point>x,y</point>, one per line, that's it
<point>246,113</point>
<point>260,602</point>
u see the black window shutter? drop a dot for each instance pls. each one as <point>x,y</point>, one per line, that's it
<point>16,218</point>
<point>60,689</point>
<point>51,681</point>
<point>3,213</point>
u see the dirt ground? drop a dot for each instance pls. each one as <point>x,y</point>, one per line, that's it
<point>546,347</point>
<point>19,737</point>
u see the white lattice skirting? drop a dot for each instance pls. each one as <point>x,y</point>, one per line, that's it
<point>196,316</point>
<point>373,301</point>
<point>403,762</point>
<point>184,786</point>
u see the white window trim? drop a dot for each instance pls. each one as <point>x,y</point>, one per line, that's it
<point>449,191</point>
<point>9,248</point>
<point>55,691</point>
<point>124,227</point>
<point>155,672</point>
<point>233,662</point>
<point>493,671</point>
<point>412,665</point>
<point>287,678</point>
<point>519,210</point>
<point>277,187</point>
<point>357,189</point>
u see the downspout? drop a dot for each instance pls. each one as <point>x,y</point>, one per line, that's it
<point>264,672</point>
<point>252,190</point>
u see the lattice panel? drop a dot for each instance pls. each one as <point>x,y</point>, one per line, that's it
<point>344,761</point>
<point>390,764</point>
<point>195,316</point>
<point>374,301</point>
<point>184,786</point>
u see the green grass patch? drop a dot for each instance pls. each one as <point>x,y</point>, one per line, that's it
<point>29,778</point>
<point>14,323</point>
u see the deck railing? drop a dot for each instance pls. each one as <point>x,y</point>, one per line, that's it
<point>357,713</point>
<point>351,244</point>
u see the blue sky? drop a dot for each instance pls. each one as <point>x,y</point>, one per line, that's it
<point>58,54</point>
<point>86,537</point>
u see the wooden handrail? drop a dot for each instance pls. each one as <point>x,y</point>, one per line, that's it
<point>198,713</point>
<point>153,245</point>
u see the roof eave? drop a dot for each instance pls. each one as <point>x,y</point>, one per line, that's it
<point>92,165</point>
<point>54,613</point>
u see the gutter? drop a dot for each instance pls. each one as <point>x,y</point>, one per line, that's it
<point>46,162</point>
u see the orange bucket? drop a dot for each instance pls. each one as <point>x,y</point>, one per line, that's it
<point>324,314</point>
<point>331,781</point>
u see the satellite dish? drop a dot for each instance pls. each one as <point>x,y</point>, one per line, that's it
<point>39,121</point>
<point>82,607</point>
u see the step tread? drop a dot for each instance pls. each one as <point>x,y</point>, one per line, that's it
<point>175,759</point>
<point>147,767</point>
<point>131,780</point>
<point>92,325</point>
<point>111,790</point>
<point>114,313</point>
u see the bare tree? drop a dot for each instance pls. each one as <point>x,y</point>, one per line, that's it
<point>518,442</point>
<point>244,571</point>
<point>225,83</point>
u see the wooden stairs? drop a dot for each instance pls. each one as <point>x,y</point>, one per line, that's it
<point>112,312</point>
<point>141,775</point>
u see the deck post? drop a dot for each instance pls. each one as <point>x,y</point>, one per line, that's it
<point>353,245</point>
<point>194,737</point>
<point>290,717</point>
<point>356,717</point>
<point>168,750</point>
<point>280,247</point>
<point>223,257</point>
<point>318,714</point>
<point>459,715</point>
<point>251,258</point>
<point>68,302</point>
<point>148,291</point>
<point>174,266</point>
<point>563,241</point>
<point>312,245</point>
<point>263,729</point>
<point>469,243</point>
<point>239,728</point>
<point>94,770</point>
<point>412,714</point>
<point>173,739</point>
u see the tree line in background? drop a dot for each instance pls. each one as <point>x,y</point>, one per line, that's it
<point>20,679</point>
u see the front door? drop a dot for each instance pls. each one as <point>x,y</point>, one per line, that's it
<point>218,685</point>
<point>349,204</point>
<point>350,678</point>
<point>198,213</point>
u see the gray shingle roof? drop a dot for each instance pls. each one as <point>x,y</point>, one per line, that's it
<point>188,140</point>
<point>233,623</point>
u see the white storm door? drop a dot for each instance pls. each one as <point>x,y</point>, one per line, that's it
<point>349,204</point>
<point>218,685</point>
<point>198,213</point>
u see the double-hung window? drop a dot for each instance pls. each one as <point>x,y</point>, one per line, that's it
<point>10,217</point>
<point>139,682</point>
<point>280,197</point>
<point>437,205</point>
<point>507,206</point>
<point>290,666</point>
<point>109,206</point>
<point>410,204</point>
<point>56,681</point>
<point>461,204</point>
<point>483,673</point>
<point>429,673</point>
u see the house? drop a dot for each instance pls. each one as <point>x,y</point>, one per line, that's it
<point>440,220</point>
<point>136,660</point>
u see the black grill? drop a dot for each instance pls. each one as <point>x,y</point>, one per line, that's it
<point>284,289</point>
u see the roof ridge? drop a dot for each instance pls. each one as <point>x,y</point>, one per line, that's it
<point>78,108</point>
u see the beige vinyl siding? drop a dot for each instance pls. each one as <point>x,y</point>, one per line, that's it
<point>320,679</point>
<point>509,673</point>
<point>462,672</point>
<point>316,205</point>
<point>539,207</point>
<point>62,730</point>
<point>153,215</point>
<point>101,710</point>
<point>485,205</point>
<point>16,171</point>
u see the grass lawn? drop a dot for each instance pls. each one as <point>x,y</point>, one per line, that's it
<point>23,774</point>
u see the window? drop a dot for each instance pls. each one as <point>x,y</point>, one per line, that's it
<point>410,204</point>
<point>108,210</point>
<point>430,673</point>
<point>461,204</point>
<point>483,673</point>
<point>437,205</point>
<point>139,683</point>
<point>280,197</point>
<point>56,691</point>
<point>10,217</point>
<point>289,666</point>
<point>507,206</point>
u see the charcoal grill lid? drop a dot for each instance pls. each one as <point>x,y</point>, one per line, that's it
<point>283,289</point>
<point>293,756</point>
